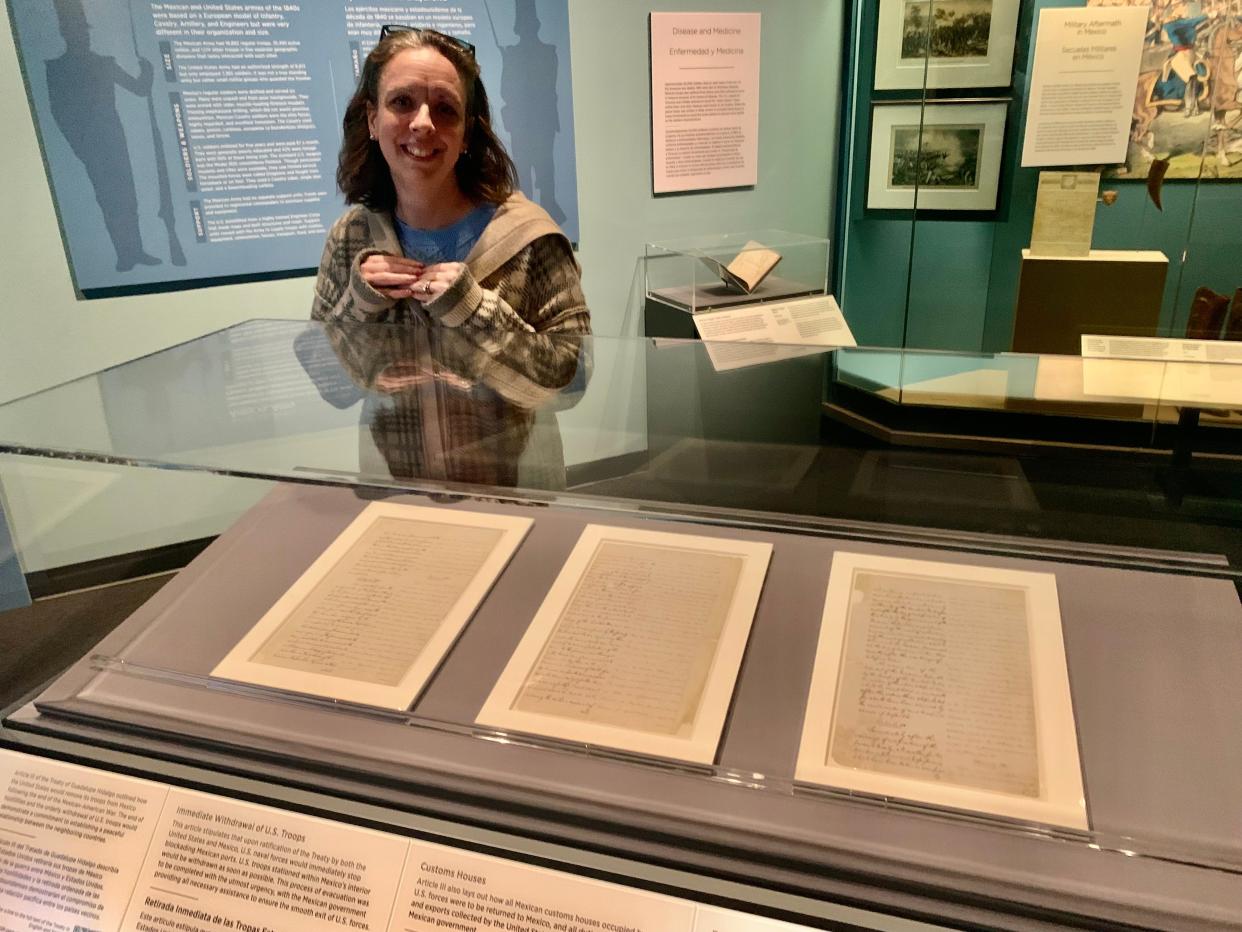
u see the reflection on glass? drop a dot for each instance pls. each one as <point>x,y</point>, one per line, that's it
<point>475,408</point>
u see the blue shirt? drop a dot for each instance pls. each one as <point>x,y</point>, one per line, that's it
<point>448,244</point>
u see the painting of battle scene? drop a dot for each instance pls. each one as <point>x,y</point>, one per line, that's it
<point>1188,107</point>
<point>948,157</point>
<point>957,28</point>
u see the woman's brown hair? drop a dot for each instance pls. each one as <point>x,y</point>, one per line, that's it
<point>484,171</point>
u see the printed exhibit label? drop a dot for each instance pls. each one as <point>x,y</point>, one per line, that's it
<point>81,849</point>
<point>72,842</point>
<point>1082,85</point>
<point>704,101</point>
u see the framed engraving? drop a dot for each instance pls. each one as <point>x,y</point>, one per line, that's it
<point>950,43</point>
<point>943,156</point>
<point>637,644</point>
<point>944,684</point>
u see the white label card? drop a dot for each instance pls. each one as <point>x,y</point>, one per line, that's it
<point>444,888</point>
<point>373,616</point>
<point>72,842</point>
<point>637,644</point>
<point>221,864</point>
<point>1161,348</point>
<point>1082,85</point>
<point>767,332</point>
<point>1159,370</point>
<point>945,684</point>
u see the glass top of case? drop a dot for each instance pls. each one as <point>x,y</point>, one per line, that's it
<point>1111,459</point>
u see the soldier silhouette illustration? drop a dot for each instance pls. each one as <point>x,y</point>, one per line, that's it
<point>81,87</point>
<point>528,74</point>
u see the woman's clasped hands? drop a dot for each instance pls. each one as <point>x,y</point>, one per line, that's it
<point>397,277</point>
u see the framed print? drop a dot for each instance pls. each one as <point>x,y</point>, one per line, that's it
<point>949,154</point>
<point>955,43</point>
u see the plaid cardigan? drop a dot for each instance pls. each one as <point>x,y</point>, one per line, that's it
<point>509,330</point>
<point>520,276</point>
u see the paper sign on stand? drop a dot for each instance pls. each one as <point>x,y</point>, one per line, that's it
<point>760,333</point>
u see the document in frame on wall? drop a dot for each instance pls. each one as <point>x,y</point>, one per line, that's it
<point>637,645</point>
<point>944,684</point>
<point>372,617</point>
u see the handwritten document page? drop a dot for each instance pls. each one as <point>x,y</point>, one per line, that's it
<point>637,645</point>
<point>372,617</point>
<point>944,684</point>
<point>1065,205</point>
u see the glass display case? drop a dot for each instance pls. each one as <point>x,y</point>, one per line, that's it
<point>1062,757</point>
<point>700,273</point>
<point>889,581</point>
<point>765,286</point>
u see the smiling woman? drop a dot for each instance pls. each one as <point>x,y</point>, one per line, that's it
<point>438,233</point>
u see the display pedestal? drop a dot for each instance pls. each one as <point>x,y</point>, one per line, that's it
<point>661,319</point>
<point>1060,298</point>
<point>704,296</point>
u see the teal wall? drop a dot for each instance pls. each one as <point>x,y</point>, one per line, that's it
<point>941,263</point>
<point>963,274</point>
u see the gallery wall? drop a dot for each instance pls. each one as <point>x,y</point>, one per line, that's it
<point>48,336</point>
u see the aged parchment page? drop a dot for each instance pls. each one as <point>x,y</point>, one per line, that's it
<point>372,614</point>
<point>375,613</point>
<point>936,684</point>
<point>637,644</point>
<point>1065,204</point>
<point>947,684</point>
